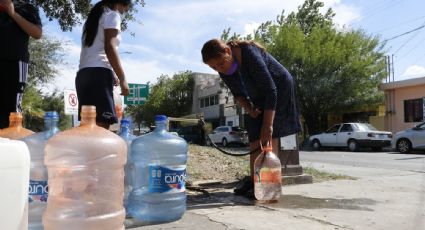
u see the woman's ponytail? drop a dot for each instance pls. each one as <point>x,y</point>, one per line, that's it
<point>91,24</point>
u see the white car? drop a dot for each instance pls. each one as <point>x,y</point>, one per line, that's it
<point>353,136</point>
<point>228,134</point>
<point>409,139</point>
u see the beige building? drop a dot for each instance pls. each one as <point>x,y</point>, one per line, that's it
<point>212,100</point>
<point>404,103</point>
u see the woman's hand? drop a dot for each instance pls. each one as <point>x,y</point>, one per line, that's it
<point>254,112</point>
<point>116,81</point>
<point>266,133</point>
<point>124,88</point>
<point>7,6</point>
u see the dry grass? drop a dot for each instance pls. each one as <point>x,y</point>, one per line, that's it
<point>207,163</point>
<point>320,176</point>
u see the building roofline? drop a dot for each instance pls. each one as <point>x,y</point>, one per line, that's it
<point>403,83</point>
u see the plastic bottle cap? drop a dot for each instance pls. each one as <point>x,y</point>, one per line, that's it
<point>160,118</point>
<point>51,115</point>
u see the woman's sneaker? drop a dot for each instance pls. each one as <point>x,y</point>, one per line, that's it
<point>244,187</point>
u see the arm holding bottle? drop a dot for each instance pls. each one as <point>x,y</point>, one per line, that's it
<point>252,111</point>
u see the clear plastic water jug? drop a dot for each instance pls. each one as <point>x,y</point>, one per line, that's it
<point>15,130</point>
<point>14,176</point>
<point>125,133</point>
<point>38,189</point>
<point>267,177</point>
<point>86,177</point>
<point>158,186</point>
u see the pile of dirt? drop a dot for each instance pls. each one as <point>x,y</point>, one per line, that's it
<point>207,163</point>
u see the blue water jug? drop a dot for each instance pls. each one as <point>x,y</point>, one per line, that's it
<point>38,190</point>
<point>125,133</point>
<point>158,192</point>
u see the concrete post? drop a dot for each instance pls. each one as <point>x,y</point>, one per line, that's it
<point>292,172</point>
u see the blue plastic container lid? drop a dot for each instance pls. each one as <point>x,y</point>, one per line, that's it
<point>160,118</point>
<point>51,115</point>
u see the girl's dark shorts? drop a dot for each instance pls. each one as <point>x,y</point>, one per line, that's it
<point>95,87</point>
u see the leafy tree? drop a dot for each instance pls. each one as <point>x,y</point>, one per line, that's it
<point>70,13</point>
<point>336,70</point>
<point>46,54</point>
<point>169,96</point>
<point>35,104</point>
<point>32,103</point>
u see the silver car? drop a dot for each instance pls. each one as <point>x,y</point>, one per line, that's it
<point>228,134</point>
<point>410,139</point>
<point>353,136</point>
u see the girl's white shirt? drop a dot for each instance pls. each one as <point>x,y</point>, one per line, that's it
<point>95,56</point>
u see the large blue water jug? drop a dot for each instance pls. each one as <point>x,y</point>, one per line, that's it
<point>38,190</point>
<point>158,192</point>
<point>126,134</point>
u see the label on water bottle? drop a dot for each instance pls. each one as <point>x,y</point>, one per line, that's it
<point>268,175</point>
<point>170,179</point>
<point>38,191</point>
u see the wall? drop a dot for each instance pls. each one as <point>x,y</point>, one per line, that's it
<point>395,95</point>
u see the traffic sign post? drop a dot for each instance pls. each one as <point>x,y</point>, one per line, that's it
<point>138,94</point>
<point>71,102</point>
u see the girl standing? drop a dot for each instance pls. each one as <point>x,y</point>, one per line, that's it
<point>100,66</point>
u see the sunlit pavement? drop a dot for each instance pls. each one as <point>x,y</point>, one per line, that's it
<point>388,193</point>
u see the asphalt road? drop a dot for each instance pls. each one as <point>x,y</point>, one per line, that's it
<point>379,160</point>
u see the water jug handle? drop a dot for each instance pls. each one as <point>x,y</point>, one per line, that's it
<point>267,147</point>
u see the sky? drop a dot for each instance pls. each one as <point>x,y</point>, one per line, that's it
<point>169,34</point>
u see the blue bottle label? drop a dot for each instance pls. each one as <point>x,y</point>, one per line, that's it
<point>170,179</point>
<point>38,191</point>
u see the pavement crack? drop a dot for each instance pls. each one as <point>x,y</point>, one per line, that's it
<point>218,222</point>
<point>322,221</point>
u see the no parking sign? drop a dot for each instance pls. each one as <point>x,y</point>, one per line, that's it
<point>71,102</point>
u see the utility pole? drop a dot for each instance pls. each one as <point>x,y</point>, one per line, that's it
<point>392,64</point>
<point>386,70</point>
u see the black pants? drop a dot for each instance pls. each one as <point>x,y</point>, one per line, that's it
<point>13,75</point>
<point>95,87</point>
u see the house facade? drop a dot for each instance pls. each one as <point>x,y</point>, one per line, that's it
<point>214,102</point>
<point>404,103</point>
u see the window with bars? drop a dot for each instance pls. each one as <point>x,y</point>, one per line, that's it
<point>414,110</point>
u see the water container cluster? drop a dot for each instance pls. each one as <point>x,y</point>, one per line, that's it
<point>88,177</point>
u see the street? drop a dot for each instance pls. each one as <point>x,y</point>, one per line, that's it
<point>378,160</point>
<point>388,192</point>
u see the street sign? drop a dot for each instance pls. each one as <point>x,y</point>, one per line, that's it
<point>138,94</point>
<point>71,102</point>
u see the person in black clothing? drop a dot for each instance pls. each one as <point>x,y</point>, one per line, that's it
<point>18,21</point>
<point>262,86</point>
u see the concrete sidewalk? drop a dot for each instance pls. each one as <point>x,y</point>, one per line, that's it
<point>377,199</point>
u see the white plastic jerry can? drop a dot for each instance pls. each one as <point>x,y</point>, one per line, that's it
<point>14,177</point>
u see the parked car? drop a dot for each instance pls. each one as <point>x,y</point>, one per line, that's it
<point>353,136</point>
<point>228,134</point>
<point>410,139</point>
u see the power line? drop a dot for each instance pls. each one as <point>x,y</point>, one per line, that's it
<point>402,23</point>
<point>405,33</point>
<point>413,48</point>
<point>410,39</point>
<point>379,7</point>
